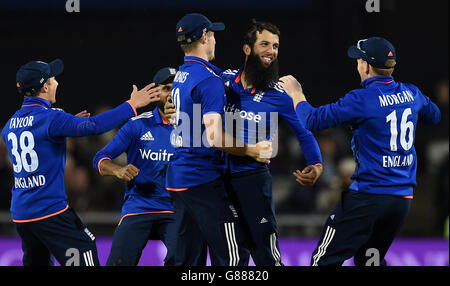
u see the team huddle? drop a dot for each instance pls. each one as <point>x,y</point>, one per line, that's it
<point>197,171</point>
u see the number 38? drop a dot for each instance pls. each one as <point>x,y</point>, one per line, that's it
<point>26,142</point>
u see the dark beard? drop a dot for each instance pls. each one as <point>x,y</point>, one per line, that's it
<point>258,76</point>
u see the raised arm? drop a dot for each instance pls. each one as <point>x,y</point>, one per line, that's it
<point>67,125</point>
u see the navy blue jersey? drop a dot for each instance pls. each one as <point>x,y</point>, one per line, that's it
<point>35,137</point>
<point>256,113</point>
<point>383,116</point>
<point>146,141</point>
<point>196,90</point>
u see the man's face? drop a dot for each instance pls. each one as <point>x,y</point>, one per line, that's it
<point>362,69</point>
<point>266,47</point>
<point>211,45</point>
<point>165,92</point>
<point>52,85</point>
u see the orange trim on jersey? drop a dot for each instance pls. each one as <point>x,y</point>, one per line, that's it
<point>41,218</point>
<point>295,107</point>
<point>134,109</point>
<point>408,197</point>
<point>157,212</point>
<point>238,79</point>
<point>176,190</point>
<point>27,105</point>
<point>318,164</point>
<point>99,162</point>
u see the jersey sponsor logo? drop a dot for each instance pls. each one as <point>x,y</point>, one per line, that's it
<point>147,137</point>
<point>162,155</point>
<point>249,115</point>
<point>264,220</point>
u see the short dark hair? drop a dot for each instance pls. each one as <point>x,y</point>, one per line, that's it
<point>385,72</point>
<point>250,36</point>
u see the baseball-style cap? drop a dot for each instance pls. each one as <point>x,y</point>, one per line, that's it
<point>164,74</point>
<point>376,51</point>
<point>31,76</point>
<point>191,27</point>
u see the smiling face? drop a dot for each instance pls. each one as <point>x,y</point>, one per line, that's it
<point>265,47</point>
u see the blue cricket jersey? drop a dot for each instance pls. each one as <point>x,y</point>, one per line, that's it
<point>383,116</point>
<point>197,90</point>
<point>256,113</point>
<point>146,140</point>
<point>35,137</point>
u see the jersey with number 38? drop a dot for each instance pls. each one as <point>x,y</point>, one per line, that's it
<point>35,137</point>
<point>383,116</point>
<point>38,163</point>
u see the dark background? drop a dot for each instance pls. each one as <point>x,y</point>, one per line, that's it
<point>110,45</point>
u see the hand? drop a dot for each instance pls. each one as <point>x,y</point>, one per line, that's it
<point>83,113</point>
<point>145,96</point>
<point>170,110</point>
<point>293,88</point>
<point>261,152</point>
<point>126,173</point>
<point>309,175</point>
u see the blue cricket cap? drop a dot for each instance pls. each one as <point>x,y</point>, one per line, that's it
<point>164,74</point>
<point>376,51</point>
<point>191,27</point>
<point>31,76</point>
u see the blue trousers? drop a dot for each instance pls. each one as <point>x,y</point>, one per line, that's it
<point>251,192</point>
<point>62,236</point>
<point>206,217</point>
<point>133,233</point>
<point>362,226</point>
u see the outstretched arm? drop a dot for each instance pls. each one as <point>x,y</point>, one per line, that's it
<point>67,125</point>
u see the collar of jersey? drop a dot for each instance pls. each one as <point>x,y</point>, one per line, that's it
<point>378,79</point>
<point>201,61</point>
<point>158,118</point>
<point>36,101</point>
<point>238,81</point>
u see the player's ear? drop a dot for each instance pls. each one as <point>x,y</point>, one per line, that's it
<point>247,50</point>
<point>204,38</point>
<point>44,88</point>
<point>367,68</point>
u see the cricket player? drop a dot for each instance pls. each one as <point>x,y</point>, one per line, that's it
<point>36,141</point>
<point>147,212</point>
<point>383,115</point>
<point>203,210</point>
<point>255,102</point>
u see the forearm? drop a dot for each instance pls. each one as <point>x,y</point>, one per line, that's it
<point>233,146</point>
<point>72,126</point>
<point>107,167</point>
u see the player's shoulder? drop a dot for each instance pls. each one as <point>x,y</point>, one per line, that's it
<point>229,74</point>
<point>277,88</point>
<point>411,87</point>
<point>142,118</point>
